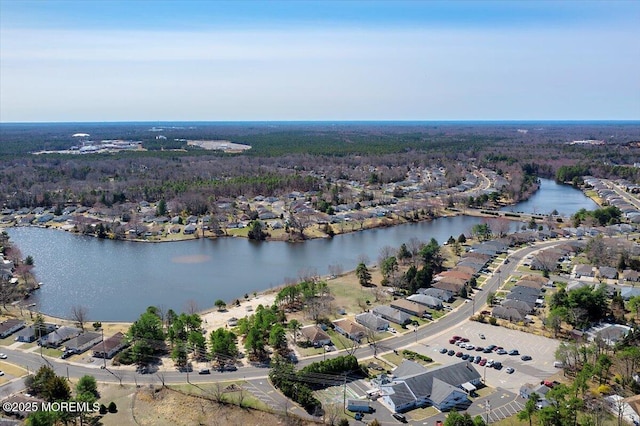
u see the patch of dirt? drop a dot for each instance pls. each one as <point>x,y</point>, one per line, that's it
<point>157,407</point>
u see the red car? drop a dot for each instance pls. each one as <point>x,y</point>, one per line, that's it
<point>483,361</point>
<point>452,341</point>
<point>464,339</point>
<point>456,338</point>
<point>459,354</point>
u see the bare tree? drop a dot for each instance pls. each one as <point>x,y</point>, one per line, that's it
<point>332,413</point>
<point>191,307</point>
<point>336,269</point>
<point>363,258</point>
<point>7,292</point>
<point>218,393</point>
<point>79,314</point>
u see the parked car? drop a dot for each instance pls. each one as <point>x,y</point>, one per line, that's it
<point>481,336</point>
<point>470,347</point>
<point>443,351</point>
<point>501,352</point>
<point>479,348</point>
<point>482,362</point>
<point>477,359</point>
<point>525,358</point>
<point>464,339</point>
<point>465,356</point>
<point>459,354</point>
<point>514,352</point>
<point>497,365</point>
<point>3,356</point>
<point>509,370</point>
<point>399,417</point>
<point>451,352</point>
<point>204,371</point>
<point>490,363</point>
<point>358,416</point>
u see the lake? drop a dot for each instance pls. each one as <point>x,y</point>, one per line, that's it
<point>117,280</point>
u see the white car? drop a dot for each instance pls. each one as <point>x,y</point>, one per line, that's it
<point>1,373</point>
<point>3,356</point>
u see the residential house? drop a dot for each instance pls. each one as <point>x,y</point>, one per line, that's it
<point>190,229</point>
<point>28,334</point>
<point>10,326</point>
<point>59,336</point>
<point>628,292</point>
<point>453,287</point>
<point>509,314</point>
<point>315,335</point>
<point>631,275</point>
<point>583,271</point>
<point>444,295</point>
<point>540,390</point>
<point>392,314</point>
<point>372,321</point>
<point>412,308</point>
<point>607,272</point>
<point>522,307</point>
<point>82,342</point>
<point>444,387</point>
<point>428,301</point>
<point>350,329</point>
<point>110,346</point>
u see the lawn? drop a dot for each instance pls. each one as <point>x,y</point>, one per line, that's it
<point>12,369</point>
<point>54,353</point>
<point>7,341</point>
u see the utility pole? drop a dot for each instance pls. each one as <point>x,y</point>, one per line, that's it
<point>488,411</point>
<point>344,394</point>
<point>104,352</point>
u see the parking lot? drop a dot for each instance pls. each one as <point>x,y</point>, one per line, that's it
<point>541,349</point>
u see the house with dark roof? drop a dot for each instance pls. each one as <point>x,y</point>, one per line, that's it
<point>522,307</point>
<point>110,346</point>
<point>59,336</point>
<point>631,275</point>
<point>444,295</point>
<point>82,342</point>
<point>583,271</point>
<point>453,287</point>
<point>10,326</point>
<point>413,385</point>
<point>607,272</point>
<point>372,321</point>
<point>510,314</point>
<point>392,314</point>
<point>28,334</point>
<point>628,292</point>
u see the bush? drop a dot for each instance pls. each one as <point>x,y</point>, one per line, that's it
<point>103,409</point>
<point>493,321</point>
<point>112,407</point>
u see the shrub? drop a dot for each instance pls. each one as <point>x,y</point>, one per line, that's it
<point>103,409</point>
<point>112,407</point>
<point>493,321</point>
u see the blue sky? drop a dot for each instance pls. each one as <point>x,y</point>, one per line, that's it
<point>221,61</point>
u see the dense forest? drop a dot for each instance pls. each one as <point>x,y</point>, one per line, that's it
<point>289,157</point>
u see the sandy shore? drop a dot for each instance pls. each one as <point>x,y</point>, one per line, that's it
<point>215,319</point>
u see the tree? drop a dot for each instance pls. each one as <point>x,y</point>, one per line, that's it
<point>147,336</point>
<point>491,298</point>
<point>256,231</point>
<point>220,305</point>
<point>179,355</point>
<point>88,385</point>
<point>295,326</point>
<point>112,407</point>
<point>529,408</point>
<point>482,231</point>
<point>79,315</point>
<point>278,338</point>
<point>363,274</point>
<point>161,208</point>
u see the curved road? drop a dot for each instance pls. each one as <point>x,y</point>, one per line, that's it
<point>32,360</point>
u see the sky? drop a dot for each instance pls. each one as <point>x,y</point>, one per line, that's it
<point>150,60</point>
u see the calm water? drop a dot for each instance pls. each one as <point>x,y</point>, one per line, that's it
<point>117,280</point>
<point>563,198</point>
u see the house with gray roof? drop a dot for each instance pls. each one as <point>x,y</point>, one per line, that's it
<point>628,292</point>
<point>509,314</point>
<point>82,342</point>
<point>428,301</point>
<point>10,326</point>
<point>392,314</point>
<point>631,275</point>
<point>607,272</point>
<point>583,271</point>
<point>372,321</point>
<point>444,295</point>
<point>110,346</point>
<point>59,336</point>
<point>413,385</point>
